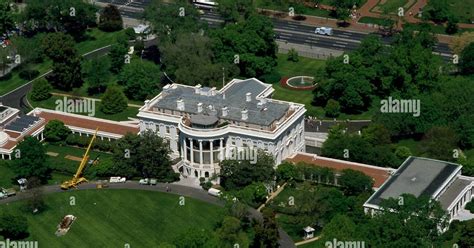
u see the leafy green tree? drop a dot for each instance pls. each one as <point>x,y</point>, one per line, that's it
<point>194,238</point>
<point>110,19</point>
<point>13,227</point>
<point>41,90</point>
<point>440,142</point>
<point>231,233</point>
<point>452,25</point>
<point>286,171</point>
<point>56,131</point>
<point>466,63</point>
<point>341,227</point>
<point>97,74</point>
<point>402,152</point>
<point>113,101</point>
<point>332,109</point>
<point>140,79</point>
<point>60,48</point>
<point>376,134</point>
<point>266,233</point>
<point>5,61</point>
<point>189,60</point>
<point>252,41</point>
<point>69,16</point>
<point>437,11</point>
<point>253,194</point>
<point>355,182</point>
<point>171,19</point>
<point>235,10</point>
<point>27,48</point>
<point>6,17</point>
<point>236,174</point>
<point>117,55</point>
<point>146,155</point>
<point>31,160</point>
<point>467,238</point>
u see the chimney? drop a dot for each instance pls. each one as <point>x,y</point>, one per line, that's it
<point>180,104</point>
<point>197,89</point>
<point>225,111</point>
<point>245,114</point>
<point>248,97</point>
<point>199,107</point>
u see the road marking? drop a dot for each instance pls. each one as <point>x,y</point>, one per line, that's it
<point>338,45</point>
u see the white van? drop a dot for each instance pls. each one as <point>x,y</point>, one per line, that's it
<point>323,31</point>
<point>214,192</point>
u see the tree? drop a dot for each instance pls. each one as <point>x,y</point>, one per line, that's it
<point>452,25</point>
<point>440,142</point>
<point>35,200</point>
<point>146,155</point>
<point>376,134</point>
<point>68,16</point>
<point>41,90</point>
<point>56,131</point>
<point>341,227</point>
<point>286,171</point>
<point>236,174</point>
<point>140,79</point>
<point>355,182</point>
<point>333,108</point>
<point>27,48</point>
<point>235,10</point>
<point>193,238</point>
<point>13,227</point>
<point>437,11</point>
<point>467,238</point>
<point>117,55</point>
<point>60,48</point>
<point>171,19</point>
<point>97,74</point>
<point>230,233</point>
<point>466,64</point>
<point>110,19</point>
<point>5,60</point>
<point>252,41</point>
<point>113,101</point>
<point>6,17</point>
<point>31,160</point>
<point>266,233</point>
<point>253,194</point>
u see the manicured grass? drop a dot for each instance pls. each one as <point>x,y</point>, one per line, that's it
<point>372,20</point>
<point>464,10</point>
<point>15,81</point>
<point>6,174</point>
<point>51,104</point>
<point>300,9</point>
<point>392,5</point>
<point>113,218</point>
<point>304,67</point>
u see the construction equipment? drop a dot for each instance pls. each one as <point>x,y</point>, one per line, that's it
<point>78,178</point>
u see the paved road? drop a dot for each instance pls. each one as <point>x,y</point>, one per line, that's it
<point>293,32</point>
<point>285,240</point>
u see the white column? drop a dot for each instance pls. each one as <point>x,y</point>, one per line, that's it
<point>185,150</point>
<point>212,153</point>
<point>200,152</point>
<point>221,148</point>
<point>191,149</point>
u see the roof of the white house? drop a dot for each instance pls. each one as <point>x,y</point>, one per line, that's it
<point>453,191</point>
<point>417,176</point>
<point>233,96</point>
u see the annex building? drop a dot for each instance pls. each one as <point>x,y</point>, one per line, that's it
<point>440,180</point>
<point>203,125</point>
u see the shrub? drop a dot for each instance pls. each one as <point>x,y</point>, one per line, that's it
<point>113,101</point>
<point>41,90</point>
<point>333,108</point>
<point>470,206</point>
<point>56,131</point>
<point>28,74</point>
<point>293,55</point>
<point>272,77</point>
<point>130,34</point>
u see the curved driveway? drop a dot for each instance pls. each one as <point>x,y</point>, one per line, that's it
<point>285,240</point>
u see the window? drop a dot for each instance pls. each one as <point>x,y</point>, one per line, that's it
<point>167,129</point>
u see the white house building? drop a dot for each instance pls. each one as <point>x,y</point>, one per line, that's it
<point>203,124</point>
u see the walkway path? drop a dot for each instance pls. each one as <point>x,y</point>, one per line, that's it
<point>285,240</point>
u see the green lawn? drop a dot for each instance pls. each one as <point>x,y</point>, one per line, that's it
<point>51,104</point>
<point>304,67</point>
<point>372,20</point>
<point>392,5</point>
<point>6,174</point>
<point>464,10</point>
<point>96,39</point>
<point>113,218</point>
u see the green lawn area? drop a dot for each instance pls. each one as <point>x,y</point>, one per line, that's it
<point>372,20</point>
<point>113,218</point>
<point>6,174</point>
<point>392,5</point>
<point>51,104</point>
<point>304,67</point>
<point>464,10</point>
<point>96,39</point>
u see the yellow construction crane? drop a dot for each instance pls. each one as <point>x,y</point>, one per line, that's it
<point>78,178</point>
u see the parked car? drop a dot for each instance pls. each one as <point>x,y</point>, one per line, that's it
<point>4,193</point>
<point>117,180</point>
<point>323,31</point>
<point>153,181</point>
<point>214,192</point>
<point>144,181</point>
